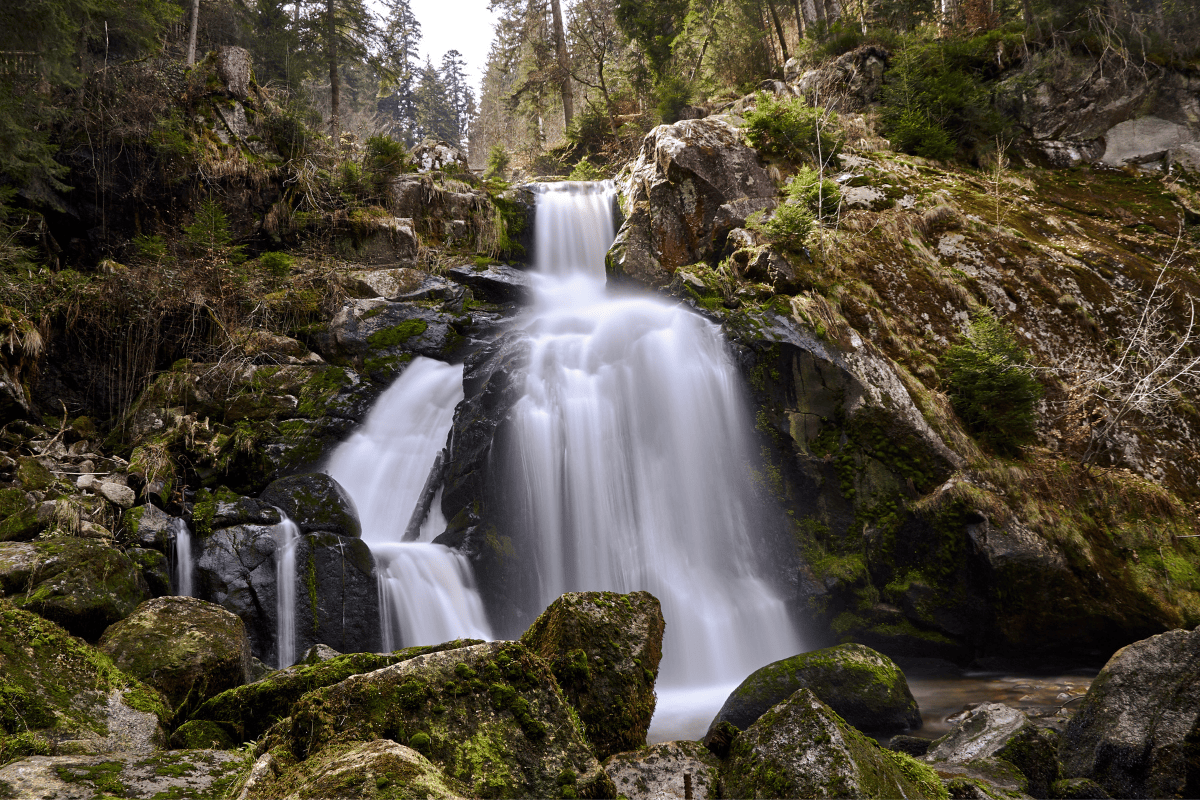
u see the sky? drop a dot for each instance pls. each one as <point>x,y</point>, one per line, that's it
<point>462,25</point>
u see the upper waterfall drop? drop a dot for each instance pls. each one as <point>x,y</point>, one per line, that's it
<point>632,454</point>
<point>426,591</point>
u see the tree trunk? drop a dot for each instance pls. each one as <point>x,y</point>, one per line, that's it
<point>335,87</point>
<point>778,30</point>
<point>191,53</point>
<point>801,25</point>
<point>564,64</point>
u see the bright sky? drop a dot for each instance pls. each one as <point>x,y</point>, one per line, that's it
<point>462,25</point>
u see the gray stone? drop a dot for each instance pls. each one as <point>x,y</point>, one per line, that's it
<point>233,68</point>
<point>345,614</point>
<point>13,402</point>
<point>1185,157</point>
<point>994,730</point>
<point>245,511</point>
<point>1135,731</point>
<point>367,768</point>
<point>318,653</point>
<point>236,570</point>
<point>150,526</point>
<point>432,154</point>
<point>497,283</point>
<point>848,83</point>
<point>118,494</point>
<point>186,773</point>
<point>399,284</point>
<point>867,197</point>
<point>382,241</point>
<point>665,771</point>
<point>381,337</point>
<point>315,502</point>
<point>1144,139</point>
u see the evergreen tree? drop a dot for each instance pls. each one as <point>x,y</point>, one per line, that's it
<point>435,117</point>
<point>459,94</point>
<point>401,64</point>
<point>343,30</point>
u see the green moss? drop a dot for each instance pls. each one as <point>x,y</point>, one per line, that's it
<point>103,777</point>
<point>398,334</point>
<point>310,580</point>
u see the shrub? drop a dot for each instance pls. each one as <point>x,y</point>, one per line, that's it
<point>209,234</point>
<point>385,158</point>
<point>790,225</point>
<point>587,171</point>
<point>277,263</point>
<point>790,129</point>
<point>498,161</point>
<point>991,386</point>
<point>821,196</point>
<point>673,94</point>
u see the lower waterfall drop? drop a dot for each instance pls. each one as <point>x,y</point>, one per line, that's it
<point>287,536</point>
<point>426,591</point>
<point>182,568</point>
<point>632,460</point>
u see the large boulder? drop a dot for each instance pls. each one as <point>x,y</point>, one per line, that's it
<point>315,502</point>
<point>665,770</point>
<point>690,185</point>
<point>246,712</point>
<point>236,570</point>
<point>182,773</point>
<point>82,584</point>
<point>1137,732</point>
<point>59,695</point>
<point>188,649</point>
<point>337,596</point>
<point>864,687</point>
<point>379,337</point>
<point>801,748</point>
<point>378,768</point>
<point>994,730</point>
<point>491,716</point>
<point>604,650</point>
<point>494,283</point>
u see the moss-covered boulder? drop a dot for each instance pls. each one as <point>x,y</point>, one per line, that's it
<point>155,569</point>
<point>604,650</point>
<point>180,774</point>
<point>801,748</point>
<point>380,770</point>
<point>187,648</point>
<point>1136,732</point>
<point>82,584</point>
<point>994,730</point>
<point>60,695</point>
<point>315,502</point>
<point>491,716</point>
<point>866,688</point>
<point>246,712</point>
<point>200,734</point>
<point>667,769</point>
<point>18,516</point>
<point>338,599</point>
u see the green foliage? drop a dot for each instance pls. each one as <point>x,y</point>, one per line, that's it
<point>151,248</point>
<point>790,129</point>
<point>790,225</point>
<point>590,129</point>
<point>384,160</point>
<point>653,24</point>
<point>498,161</point>
<point>819,195</point>
<point>991,386</point>
<point>209,235</point>
<point>587,171</point>
<point>277,263</point>
<point>935,102</point>
<point>672,95</point>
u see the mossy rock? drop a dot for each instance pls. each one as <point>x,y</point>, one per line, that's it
<point>198,774</point>
<point>801,748</point>
<point>316,503</point>
<point>155,569</point>
<point>1077,789</point>
<point>81,584</point>
<point>604,649</point>
<point>246,712</point>
<point>18,516</point>
<point>660,769</point>
<point>188,649</point>
<point>866,688</point>
<point>994,730</point>
<point>491,716</point>
<point>380,769</point>
<point>200,734</point>
<point>58,694</point>
<point>33,475</point>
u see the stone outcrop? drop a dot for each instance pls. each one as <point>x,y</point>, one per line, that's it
<point>186,648</point>
<point>995,731</point>
<point>1136,731</point>
<point>690,185</point>
<point>665,770</point>
<point>316,503</point>
<point>865,688</point>
<point>236,570</point>
<point>604,649</point>
<point>801,748</point>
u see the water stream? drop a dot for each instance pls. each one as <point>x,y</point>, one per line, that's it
<point>633,448</point>
<point>183,570</point>
<point>426,591</point>
<point>287,536</point>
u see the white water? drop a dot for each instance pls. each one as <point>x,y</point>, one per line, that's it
<point>633,455</point>
<point>287,535</point>
<point>183,571</point>
<point>426,591</point>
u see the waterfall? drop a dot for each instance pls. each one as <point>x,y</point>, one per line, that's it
<point>426,591</point>
<point>287,536</point>
<point>632,461</point>
<point>183,571</point>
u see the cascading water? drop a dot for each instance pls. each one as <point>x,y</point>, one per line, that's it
<point>426,591</point>
<point>287,536</point>
<point>183,571</point>
<point>632,456</point>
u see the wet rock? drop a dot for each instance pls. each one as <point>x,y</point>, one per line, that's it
<point>993,730</point>
<point>665,771</point>
<point>246,712</point>
<point>81,584</point>
<point>682,177</point>
<point>62,696</point>
<point>381,337</point>
<point>494,698</point>
<point>1078,789</point>
<point>983,778</point>
<point>149,526</point>
<point>372,769</point>
<point>318,653</point>
<point>497,283</point>
<point>13,402</point>
<point>604,649</point>
<point>1135,732</point>
<point>864,687</point>
<point>244,511</point>
<point>315,502</point>
<point>236,570</point>
<point>337,597</point>
<point>801,748</point>
<point>188,649</point>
